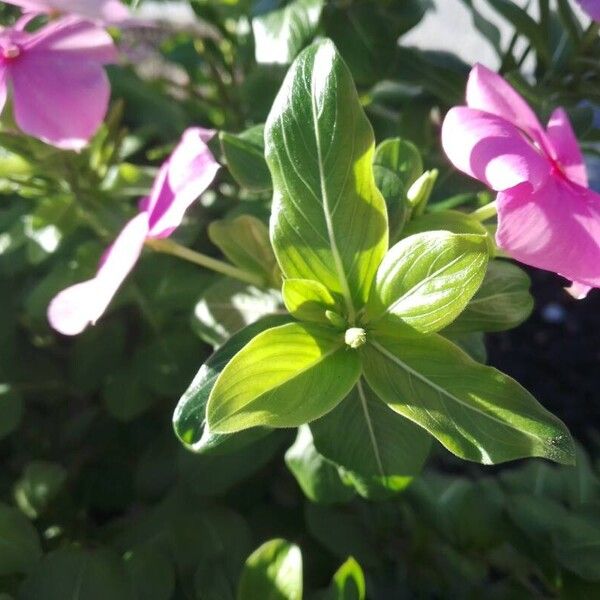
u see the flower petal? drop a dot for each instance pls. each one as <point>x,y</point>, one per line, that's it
<point>73,38</point>
<point>591,7</point>
<point>556,229</point>
<point>492,150</point>
<point>62,102</point>
<point>96,10</point>
<point>578,290</point>
<point>566,148</point>
<point>188,173</point>
<point>73,309</point>
<point>489,92</point>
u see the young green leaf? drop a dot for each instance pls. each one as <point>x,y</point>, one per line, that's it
<point>280,34</point>
<point>426,280</point>
<point>363,435</point>
<point>348,583</point>
<point>329,219</point>
<point>308,300</point>
<point>397,165</point>
<point>475,411</point>
<point>502,302</point>
<point>319,478</point>
<point>245,242</point>
<point>245,156</point>
<point>189,418</point>
<point>285,377</point>
<point>272,572</point>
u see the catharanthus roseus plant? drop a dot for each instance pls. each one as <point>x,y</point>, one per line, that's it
<point>268,272</point>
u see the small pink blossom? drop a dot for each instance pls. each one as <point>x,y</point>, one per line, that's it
<point>104,11</point>
<point>181,179</point>
<point>60,91</point>
<point>547,215</point>
<point>592,8</point>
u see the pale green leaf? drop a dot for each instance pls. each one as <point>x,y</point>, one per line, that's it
<point>285,377</point>
<point>475,411</point>
<point>245,242</point>
<point>280,34</point>
<point>272,572</point>
<point>329,219</point>
<point>308,300</point>
<point>245,156</point>
<point>426,280</point>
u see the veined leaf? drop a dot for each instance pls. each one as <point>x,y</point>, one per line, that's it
<point>272,572</point>
<point>285,377</point>
<point>308,300</point>
<point>280,34</point>
<point>363,435</point>
<point>245,242</point>
<point>189,418</point>
<point>245,156</point>
<point>475,411</point>
<point>329,220</point>
<point>426,280</point>
<point>502,302</point>
<point>318,477</point>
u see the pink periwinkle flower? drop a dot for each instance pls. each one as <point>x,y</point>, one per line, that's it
<point>591,7</point>
<point>60,91</point>
<point>547,216</point>
<point>105,11</point>
<point>181,179</point>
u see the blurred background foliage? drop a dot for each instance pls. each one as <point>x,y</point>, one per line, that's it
<point>99,498</point>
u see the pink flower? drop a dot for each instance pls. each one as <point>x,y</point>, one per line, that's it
<point>547,216</point>
<point>592,8</point>
<point>181,179</point>
<point>106,11</point>
<point>60,91</point>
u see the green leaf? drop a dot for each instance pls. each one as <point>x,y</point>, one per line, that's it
<point>39,485</point>
<point>151,574</point>
<point>329,219</point>
<point>426,280</point>
<point>363,435</point>
<point>472,342</point>
<point>444,220</point>
<point>19,543</point>
<point>124,395</point>
<point>245,242</point>
<point>348,582</point>
<point>11,410</point>
<point>397,165</point>
<point>285,377</point>
<point>272,572</point>
<point>189,418</point>
<point>475,411</point>
<point>525,25</point>
<point>280,34</point>
<point>228,306</point>
<point>77,574</point>
<point>502,302</point>
<point>319,478</point>
<point>308,300</point>
<point>245,156</point>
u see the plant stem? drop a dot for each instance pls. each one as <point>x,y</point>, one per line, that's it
<point>174,249</point>
<point>485,212</point>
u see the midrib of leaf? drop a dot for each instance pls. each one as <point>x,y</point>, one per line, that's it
<point>444,392</point>
<point>339,266</point>
<point>375,446</point>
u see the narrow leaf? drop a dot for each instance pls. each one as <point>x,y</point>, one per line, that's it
<point>475,411</point>
<point>329,220</point>
<point>285,377</point>
<point>426,280</point>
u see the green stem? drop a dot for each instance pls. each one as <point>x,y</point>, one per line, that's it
<point>174,249</point>
<point>485,212</point>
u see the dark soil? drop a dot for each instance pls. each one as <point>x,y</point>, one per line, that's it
<point>555,354</point>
